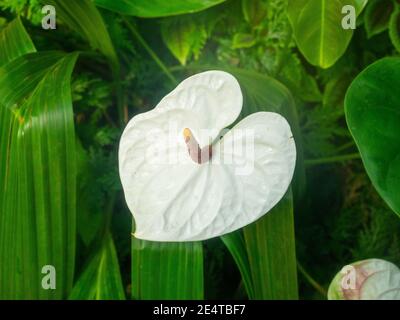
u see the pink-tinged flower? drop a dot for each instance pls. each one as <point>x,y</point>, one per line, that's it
<point>372,279</point>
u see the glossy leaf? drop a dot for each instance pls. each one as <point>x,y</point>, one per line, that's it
<point>156,8</point>
<point>377,16</point>
<point>317,27</point>
<point>373,117</point>
<point>394,29</point>
<point>167,270</point>
<point>101,279</point>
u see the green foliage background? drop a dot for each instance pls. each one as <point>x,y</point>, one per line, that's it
<point>129,63</point>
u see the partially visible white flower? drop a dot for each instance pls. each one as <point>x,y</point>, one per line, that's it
<point>372,279</point>
<point>186,179</point>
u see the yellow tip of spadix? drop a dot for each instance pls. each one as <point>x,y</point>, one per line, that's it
<point>187,134</point>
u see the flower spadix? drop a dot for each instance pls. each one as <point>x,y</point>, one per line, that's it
<point>372,279</point>
<point>185,177</point>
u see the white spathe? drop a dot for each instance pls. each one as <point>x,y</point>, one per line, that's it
<point>174,198</point>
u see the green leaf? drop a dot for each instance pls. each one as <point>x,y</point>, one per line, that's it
<point>178,36</point>
<point>254,11</point>
<point>335,90</point>
<point>163,270</point>
<point>243,40</point>
<point>394,29</point>
<point>373,117</point>
<point>14,42</point>
<point>377,16</point>
<point>317,27</point>
<point>237,247</point>
<point>271,249</point>
<point>101,279</point>
<point>39,160</point>
<point>83,17</point>
<point>156,8</point>
<point>298,81</point>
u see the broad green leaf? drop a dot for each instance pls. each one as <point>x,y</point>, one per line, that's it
<point>394,29</point>
<point>37,229</point>
<point>101,279</point>
<point>254,11</point>
<point>243,40</point>
<point>271,250</point>
<point>377,16</point>
<point>163,270</point>
<point>317,28</point>
<point>156,8</point>
<point>83,17</point>
<point>373,117</point>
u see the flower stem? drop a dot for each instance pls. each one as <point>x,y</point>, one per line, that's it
<point>311,280</point>
<point>342,158</point>
<point>150,51</point>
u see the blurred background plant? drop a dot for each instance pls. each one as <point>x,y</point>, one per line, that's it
<point>338,215</point>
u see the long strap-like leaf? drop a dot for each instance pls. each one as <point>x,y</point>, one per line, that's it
<point>167,270</point>
<point>38,189</point>
<point>101,279</point>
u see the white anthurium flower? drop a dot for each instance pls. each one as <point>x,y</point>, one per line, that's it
<point>372,279</point>
<point>185,180</point>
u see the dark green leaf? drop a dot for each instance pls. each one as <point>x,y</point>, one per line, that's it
<point>394,29</point>
<point>156,8</point>
<point>377,16</point>
<point>237,247</point>
<point>373,116</point>
<point>83,17</point>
